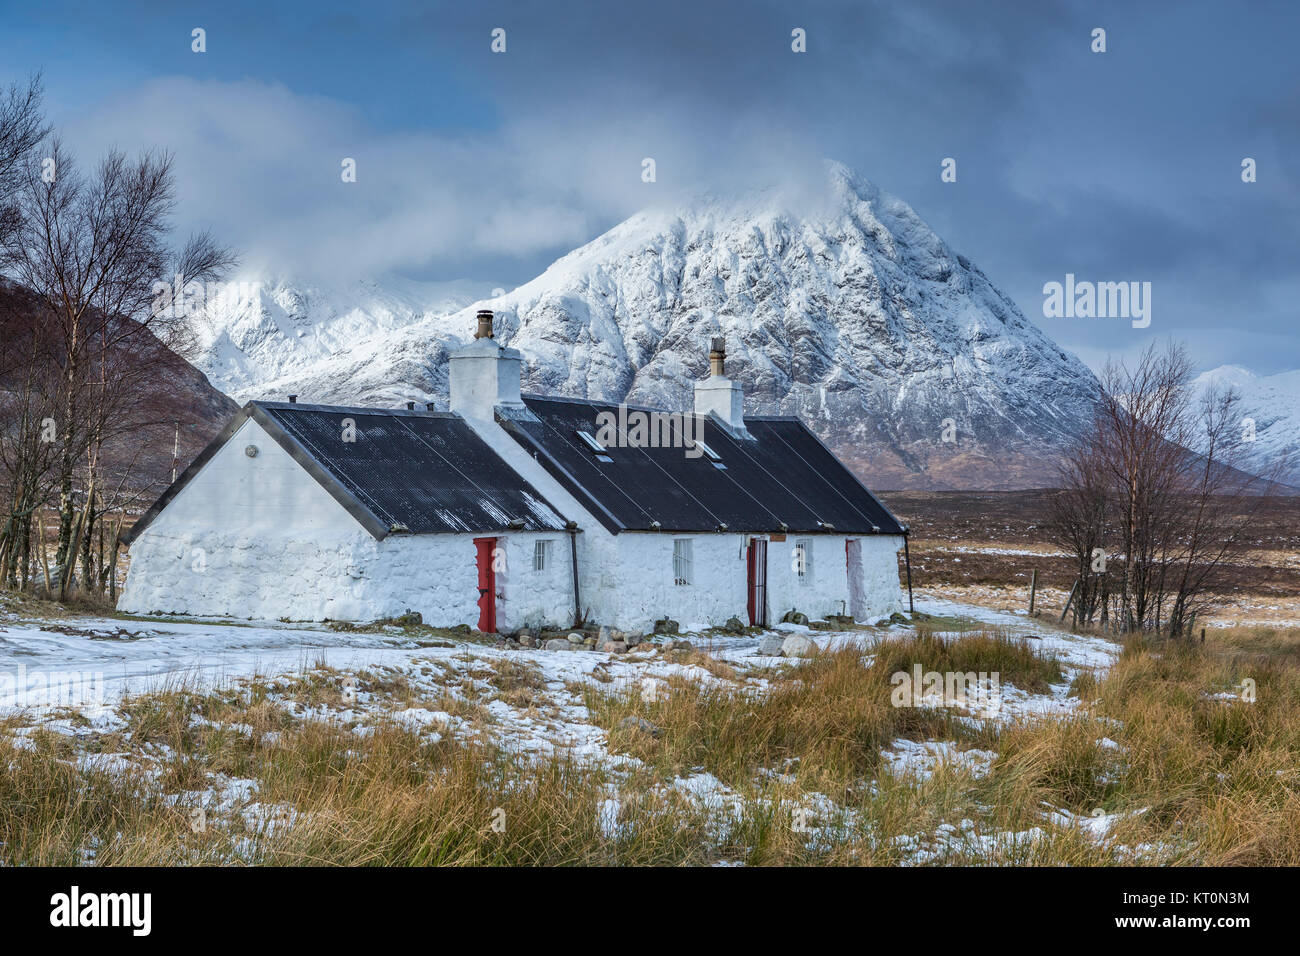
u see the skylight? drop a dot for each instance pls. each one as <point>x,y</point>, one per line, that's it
<point>712,455</point>
<point>596,447</point>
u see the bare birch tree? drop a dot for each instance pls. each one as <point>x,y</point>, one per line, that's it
<point>1156,501</point>
<point>93,247</point>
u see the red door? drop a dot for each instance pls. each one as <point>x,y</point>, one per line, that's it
<point>756,563</point>
<point>487,585</point>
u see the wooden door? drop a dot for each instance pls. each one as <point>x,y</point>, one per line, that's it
<point>756,562</point>
<point>487,585</point>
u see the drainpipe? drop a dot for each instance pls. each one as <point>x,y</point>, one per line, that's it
<point>573,552</point>
<point>907,558</point>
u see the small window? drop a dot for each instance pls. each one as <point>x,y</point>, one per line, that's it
<point>596,447</point>
<point>683,561</point>
<point>542,555</point>
<point>803,560</point>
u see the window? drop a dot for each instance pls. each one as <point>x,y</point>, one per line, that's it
<point>683,561</point>
<point>803,560</point>
<point>596,447</point>
<point>542,555</point>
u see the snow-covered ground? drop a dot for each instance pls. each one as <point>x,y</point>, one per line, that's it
<point>87,664</point>
<point>103,658</point>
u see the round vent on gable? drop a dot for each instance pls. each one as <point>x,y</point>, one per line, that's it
<point>251,451</point>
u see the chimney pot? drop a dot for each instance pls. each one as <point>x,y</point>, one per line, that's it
<point>410,406</point>
<point>717,355</point>
<point>484,330</point>
<point>293,399</point>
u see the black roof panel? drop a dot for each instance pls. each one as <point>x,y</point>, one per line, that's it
<point>783,476</point>
<point>427,471</point>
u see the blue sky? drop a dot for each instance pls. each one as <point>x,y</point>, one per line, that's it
<point>1124,165</point>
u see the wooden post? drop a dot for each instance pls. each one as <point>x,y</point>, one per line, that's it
<point>1069,600</point>
<point>1033,587</point>
<point>907,558</point>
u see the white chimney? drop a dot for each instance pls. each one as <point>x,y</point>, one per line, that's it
<point>718,395</point>
<point>484,375</point>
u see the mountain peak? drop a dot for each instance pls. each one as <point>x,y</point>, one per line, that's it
<point>839,304</point>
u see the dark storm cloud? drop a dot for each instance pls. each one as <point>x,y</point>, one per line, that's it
<point>1122,165</point>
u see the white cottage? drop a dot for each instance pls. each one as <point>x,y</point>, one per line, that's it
<point>515,510</point>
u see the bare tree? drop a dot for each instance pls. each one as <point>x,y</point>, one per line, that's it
<point>94,250</point>
<point>22,126</point>
<point>1156,503</point>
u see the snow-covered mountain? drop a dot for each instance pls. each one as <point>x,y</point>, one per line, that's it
<point>1272,403</point>
<point>264,331</point>
<point>841,306</point>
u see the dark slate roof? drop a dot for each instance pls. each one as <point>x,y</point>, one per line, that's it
<point>783,479</point>
<point>423,472</point>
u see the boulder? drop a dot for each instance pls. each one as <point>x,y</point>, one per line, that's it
<point>667,626</point>
<point>770,646</point>
<point>576,638</point>
<point>796,645</point>
<point>559,644</point>
<point>794,617</point>
<point>614,647</point>
<point>734,625</point>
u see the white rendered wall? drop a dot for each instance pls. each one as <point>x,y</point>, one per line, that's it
<point>260,538</point>
<point>646,592</point>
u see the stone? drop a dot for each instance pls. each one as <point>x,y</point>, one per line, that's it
<point>667,626</point>
<point>614,647</point>
<point>632,640</point>
<point>734,626</point>
<point>527,641</point>
<point>770,646</point>
<point>639,723</point>
<point>898,618</point>
<point>821,625</point>
<point>794,617</point>
<point>559,644</point>
<point>796,645</point>
<point>576,638</point>
<point>686,646</point>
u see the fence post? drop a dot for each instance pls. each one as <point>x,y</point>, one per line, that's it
<point>1069,600</point>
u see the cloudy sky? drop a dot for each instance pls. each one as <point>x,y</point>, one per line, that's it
<point>1123,165</point>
